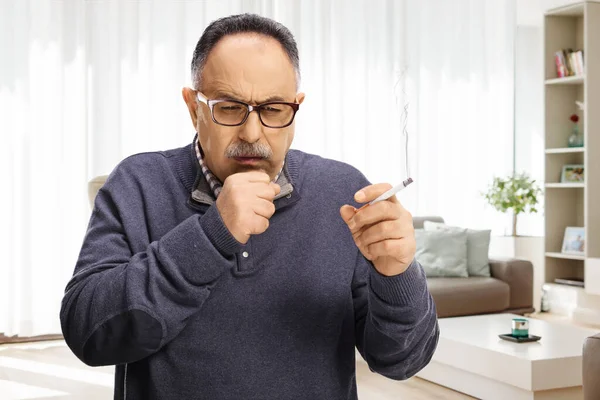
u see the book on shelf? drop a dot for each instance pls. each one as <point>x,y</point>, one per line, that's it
<point>569,63</point>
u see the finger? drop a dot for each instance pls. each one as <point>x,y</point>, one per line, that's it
<point>381,231</point>
<point>275,187</point>
<point>264,208</point>
<point>256,176</point>
<point>347,212</point>
<point>371,192</point>
<point>401,249</point>
<point>259,225</point>
<point>263,191</point>
<point>382,211</point>
<point>389,247</point>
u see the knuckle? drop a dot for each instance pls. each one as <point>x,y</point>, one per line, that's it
<point>376,249</point>
<point>358,219</point>
<point>363,238</point>
<point>259,225</point>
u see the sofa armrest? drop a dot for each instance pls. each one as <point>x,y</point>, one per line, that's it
<point>518,274</point>
<point>94,186</point>
<point>591,368</point>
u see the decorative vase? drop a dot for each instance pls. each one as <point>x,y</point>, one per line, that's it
<point>576,138</point>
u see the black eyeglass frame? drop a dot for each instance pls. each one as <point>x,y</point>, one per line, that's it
<point>249,108</point>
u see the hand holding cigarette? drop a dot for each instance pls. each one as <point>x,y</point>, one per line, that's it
<point>382,228</point>
<point>389,193</point>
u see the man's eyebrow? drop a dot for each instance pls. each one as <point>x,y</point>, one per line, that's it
<point>225,95</point>
<point>273,98</point>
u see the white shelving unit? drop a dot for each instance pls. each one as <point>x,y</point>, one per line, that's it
<point>565,150</point>
<point>570,80</point>
<point>575,26</point>
<point>564,185</point>
<point>565,256</point>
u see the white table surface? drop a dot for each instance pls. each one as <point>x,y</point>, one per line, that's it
<point>472,359</point>
<point>557,340</point>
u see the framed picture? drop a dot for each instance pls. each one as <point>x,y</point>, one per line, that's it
<point>574,240</point>
<point>572,173</point>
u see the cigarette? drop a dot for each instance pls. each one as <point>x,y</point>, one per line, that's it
<point>389,193</point>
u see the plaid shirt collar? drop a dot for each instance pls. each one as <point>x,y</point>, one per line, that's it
<point>215,184</point>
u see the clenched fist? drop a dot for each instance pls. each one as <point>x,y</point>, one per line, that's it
<point>246,203</point>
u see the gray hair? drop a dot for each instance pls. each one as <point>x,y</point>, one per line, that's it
<point>243,23</point>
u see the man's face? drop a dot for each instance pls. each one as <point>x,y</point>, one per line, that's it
<point>253,69</point>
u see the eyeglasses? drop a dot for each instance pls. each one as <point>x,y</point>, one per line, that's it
<point>274,114</point>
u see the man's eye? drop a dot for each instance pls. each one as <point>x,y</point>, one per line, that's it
<point>273,109</point>
<point>231,108</point>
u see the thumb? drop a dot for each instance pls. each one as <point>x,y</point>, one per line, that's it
<point>347,212</point>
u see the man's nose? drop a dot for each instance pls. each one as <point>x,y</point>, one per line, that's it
<point>251,130</point>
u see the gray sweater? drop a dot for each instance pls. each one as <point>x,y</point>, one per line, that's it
<point>163,291</point>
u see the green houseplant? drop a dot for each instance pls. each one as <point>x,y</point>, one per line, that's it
<point>517,193</point>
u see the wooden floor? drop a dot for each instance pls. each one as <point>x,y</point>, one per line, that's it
<point>49,371</point>
<point>373,386</point>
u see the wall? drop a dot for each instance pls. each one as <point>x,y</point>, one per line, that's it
<point>529,111</point>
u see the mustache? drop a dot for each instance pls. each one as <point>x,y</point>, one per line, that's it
<point>245,149</point>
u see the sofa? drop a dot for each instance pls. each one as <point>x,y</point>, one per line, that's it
<point>93,186</point>
<point>508,290</point>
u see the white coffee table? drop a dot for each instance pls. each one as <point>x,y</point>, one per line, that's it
<point>472,359</point>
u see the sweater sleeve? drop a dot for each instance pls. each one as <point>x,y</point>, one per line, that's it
<point>120,307</point>
<point>395,320</point>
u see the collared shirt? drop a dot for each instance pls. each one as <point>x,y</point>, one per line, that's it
<point>215,184</point>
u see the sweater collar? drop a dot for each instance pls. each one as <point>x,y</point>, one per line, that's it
<point>195,182</point>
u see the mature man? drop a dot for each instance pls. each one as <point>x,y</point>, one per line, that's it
<point>233,268</point>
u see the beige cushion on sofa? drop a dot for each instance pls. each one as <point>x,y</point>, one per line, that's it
<point>478,246</point>
<point>442,253</point>
<point>468,296</point>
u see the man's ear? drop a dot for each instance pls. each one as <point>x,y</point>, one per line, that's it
<point>300,97</point>
<point>189,96</point>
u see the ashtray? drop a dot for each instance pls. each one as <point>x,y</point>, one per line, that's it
<point>520,339</point>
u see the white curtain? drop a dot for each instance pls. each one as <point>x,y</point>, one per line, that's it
<point>461,57</point>
<point>84,84</point>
